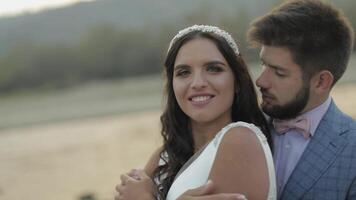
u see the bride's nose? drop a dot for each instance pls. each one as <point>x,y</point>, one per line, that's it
<point>199,81</point>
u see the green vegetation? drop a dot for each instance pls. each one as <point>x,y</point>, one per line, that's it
<point>70,46</point>
<point>79,61</point>
<point>96,98</point>
<point>104,54</point>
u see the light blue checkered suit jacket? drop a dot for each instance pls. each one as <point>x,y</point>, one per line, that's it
<point>327,168</point>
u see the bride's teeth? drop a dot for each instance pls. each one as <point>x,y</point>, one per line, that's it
<point>200,98</point>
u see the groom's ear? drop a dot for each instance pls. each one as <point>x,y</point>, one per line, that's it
<point>322,82</point>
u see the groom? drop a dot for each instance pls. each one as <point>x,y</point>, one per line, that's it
<point>305,48</point>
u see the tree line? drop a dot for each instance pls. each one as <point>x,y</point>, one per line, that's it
<point>107,52</point>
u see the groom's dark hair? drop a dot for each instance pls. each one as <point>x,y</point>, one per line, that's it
<point>318,35</point>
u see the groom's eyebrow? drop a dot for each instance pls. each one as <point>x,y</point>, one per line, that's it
<point>272,66</point>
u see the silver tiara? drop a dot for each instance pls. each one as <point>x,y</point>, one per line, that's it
<point>207,29</point>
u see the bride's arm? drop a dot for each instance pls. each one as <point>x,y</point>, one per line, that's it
<point>152,163</point>
<point>138,184</point>
<point>240,165</point>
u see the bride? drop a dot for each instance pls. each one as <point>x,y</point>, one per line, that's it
<point>213,131</point>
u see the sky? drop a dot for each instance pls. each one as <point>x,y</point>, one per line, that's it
<point>15,7</point>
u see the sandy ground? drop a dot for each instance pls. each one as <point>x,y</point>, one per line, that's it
<point>67,160</point>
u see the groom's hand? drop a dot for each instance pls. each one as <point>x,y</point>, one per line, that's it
<point>205,193</point>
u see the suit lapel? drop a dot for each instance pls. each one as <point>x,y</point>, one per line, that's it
<point>320,153</point>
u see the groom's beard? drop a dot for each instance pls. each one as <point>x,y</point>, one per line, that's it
<point>290,110</point>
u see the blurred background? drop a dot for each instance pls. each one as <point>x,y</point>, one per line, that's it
<point>81,86</point>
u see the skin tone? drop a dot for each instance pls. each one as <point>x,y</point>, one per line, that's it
<point>282,79</point>
<point>203,84</point>
<point>204,87</point>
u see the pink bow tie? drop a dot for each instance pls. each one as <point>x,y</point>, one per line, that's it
<point>300,124</point>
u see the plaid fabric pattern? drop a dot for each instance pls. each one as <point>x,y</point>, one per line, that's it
<point>327,168</point>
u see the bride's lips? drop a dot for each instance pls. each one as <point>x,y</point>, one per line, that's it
<point>201,99</point>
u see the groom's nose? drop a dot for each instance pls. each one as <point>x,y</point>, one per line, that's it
<point>263,80</point>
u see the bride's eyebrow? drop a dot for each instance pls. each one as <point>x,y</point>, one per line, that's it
<point>215,62</point>
<point>181,66</point>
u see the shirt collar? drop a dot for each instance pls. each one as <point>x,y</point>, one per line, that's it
<point>316,114</point>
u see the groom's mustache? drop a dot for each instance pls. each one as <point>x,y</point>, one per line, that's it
<point>266,94</point>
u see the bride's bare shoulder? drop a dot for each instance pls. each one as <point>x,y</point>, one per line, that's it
<point>240,164</point>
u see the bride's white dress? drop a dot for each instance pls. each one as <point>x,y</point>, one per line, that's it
<point>197,172</point>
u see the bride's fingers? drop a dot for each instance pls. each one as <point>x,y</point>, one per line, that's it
<point>132,172</point>
<point>135,173</point>
<point>118,197</point>
<point>119,188</point>
<point>123,179</point>
<point>141,174</point>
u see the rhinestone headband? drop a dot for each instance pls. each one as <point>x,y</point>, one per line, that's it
<point>207,29</point>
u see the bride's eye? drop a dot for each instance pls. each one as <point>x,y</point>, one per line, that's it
<point>214,68</point>
<point>182,73</point>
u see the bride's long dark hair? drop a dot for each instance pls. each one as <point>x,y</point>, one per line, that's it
<point>178,143</point>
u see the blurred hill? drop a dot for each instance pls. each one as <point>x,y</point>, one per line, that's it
<point>111,39</point>
<point>69,24</point>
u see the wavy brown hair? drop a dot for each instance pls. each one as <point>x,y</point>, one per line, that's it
<point>318,35</point>
<point>178,143</point>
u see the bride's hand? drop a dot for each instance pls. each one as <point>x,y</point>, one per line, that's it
<point>135,185</point>
<point>137,173</point>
